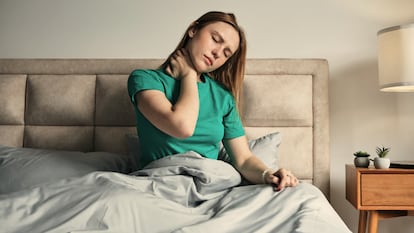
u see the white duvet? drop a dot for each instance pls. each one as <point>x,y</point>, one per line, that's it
<point>180,193</point>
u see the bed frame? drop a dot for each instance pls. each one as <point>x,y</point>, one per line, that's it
<point>83,105</point>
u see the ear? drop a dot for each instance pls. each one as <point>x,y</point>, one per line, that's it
<point>192,30</point>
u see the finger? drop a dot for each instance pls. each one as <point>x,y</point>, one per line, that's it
<point>274,179</point>
<point>168,70</point>
<point>183,51</point>
<point>295,181</point>
<point>285,178</point>
<point>179,53</point>
<point>283,183</point>
<point>283,172</point>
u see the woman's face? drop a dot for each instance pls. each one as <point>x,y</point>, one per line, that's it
<point>212,45</point>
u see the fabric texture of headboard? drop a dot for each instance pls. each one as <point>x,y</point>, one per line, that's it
<point>83,105</point>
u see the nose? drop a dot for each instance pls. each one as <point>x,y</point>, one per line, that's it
<point>218,51</point>
<point>215,53</point>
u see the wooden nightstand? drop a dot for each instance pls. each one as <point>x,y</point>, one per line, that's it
<point>379,194</point>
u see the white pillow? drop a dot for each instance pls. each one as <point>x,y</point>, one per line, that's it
<point>133,149</point>
<point>21,168</point>
<point>265,148</point>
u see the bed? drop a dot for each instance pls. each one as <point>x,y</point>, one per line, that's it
<point>68,151</point>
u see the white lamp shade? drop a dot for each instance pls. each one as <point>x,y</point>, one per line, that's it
<point>396,58</point>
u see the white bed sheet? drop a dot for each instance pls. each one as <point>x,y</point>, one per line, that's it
<point>180,193</point>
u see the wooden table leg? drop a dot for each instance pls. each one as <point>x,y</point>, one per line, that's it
<point>373,221</point>
<point>362,225</point>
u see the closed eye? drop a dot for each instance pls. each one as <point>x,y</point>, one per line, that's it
<point>217,38</point>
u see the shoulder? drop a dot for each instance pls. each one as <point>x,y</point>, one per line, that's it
<point>149,75</point>
<point>145,79</point>
<point>144,72</point>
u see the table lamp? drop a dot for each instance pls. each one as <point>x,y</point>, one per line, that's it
<point>396,58</point>
<point>396,65</point>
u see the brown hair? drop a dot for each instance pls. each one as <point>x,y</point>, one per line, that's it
<point>231,73</point>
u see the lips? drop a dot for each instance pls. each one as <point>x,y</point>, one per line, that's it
<point>208,60</point>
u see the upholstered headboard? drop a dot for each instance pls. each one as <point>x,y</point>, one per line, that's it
<point>82,104</point>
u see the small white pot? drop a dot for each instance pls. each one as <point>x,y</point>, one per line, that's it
<point>382,163</point>
<point>361,161</point>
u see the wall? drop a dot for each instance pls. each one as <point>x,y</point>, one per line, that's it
<point>344,32</point>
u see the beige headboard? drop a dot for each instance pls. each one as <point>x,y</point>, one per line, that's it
<point>82,104</point>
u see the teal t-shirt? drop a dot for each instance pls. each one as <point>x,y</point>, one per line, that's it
<point>218,117</point>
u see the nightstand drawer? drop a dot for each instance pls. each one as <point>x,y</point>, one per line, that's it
<point>387,189</point>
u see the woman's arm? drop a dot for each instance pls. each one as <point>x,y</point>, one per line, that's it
<point>178,120</point>
<point>253,169</point>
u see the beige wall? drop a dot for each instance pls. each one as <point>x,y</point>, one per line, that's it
<point>342,31</point>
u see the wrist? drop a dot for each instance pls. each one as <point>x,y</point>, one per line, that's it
<point>265,173</point>
<point>189,74</point>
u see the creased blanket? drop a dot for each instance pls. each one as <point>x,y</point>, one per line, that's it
<point>179,193</point>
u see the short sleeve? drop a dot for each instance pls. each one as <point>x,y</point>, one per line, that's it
<point>233,126</point>
<point>140,80</point>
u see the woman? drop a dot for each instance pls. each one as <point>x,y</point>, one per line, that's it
<point>190,102</point>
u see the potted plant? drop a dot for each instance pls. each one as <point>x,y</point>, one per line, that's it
<point>381,162</point>
<point>361,159</point>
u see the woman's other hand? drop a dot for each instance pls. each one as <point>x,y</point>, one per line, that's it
<point>280,179</point>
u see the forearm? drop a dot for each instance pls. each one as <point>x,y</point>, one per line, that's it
<point>187,106</point>
<point>252,169</point>
<point>177,119</point>
<point>245,162</point>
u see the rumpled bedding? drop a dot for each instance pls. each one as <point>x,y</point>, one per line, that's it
<point>176,194</point>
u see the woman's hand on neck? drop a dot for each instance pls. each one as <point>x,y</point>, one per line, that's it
<point>180,66</point>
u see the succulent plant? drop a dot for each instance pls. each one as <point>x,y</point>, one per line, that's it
<point>361,154</point>
<point>382,151</point>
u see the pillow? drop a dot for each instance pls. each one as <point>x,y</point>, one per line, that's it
<point>265,148</point>
<point>21,168</point>
<point>133,149</point>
